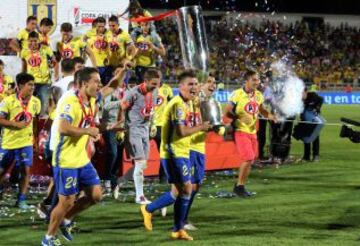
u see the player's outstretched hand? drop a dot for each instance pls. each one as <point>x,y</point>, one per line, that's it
<point>93,132</point>
<point>206,126</point>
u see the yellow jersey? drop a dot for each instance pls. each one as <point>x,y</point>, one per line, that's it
<point>100,47</point>
<point>12,109</point>
<point>145,56</point>
<point>70,49</point>
<point>165,93</point>
<point>177,112</point>
<point>37,63</point>
<point>6,86</point>
<point>117,46</point>
<point>23,39</point>
<point>197,142</point>
<point>44,39</point>
<point>246,109</point>
<point>89,34</point>
<point>71,152</point>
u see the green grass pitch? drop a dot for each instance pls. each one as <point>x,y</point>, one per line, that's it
<point>299,204</point>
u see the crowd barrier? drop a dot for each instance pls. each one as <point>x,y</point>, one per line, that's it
<point>220,154</point>
<point>329,97</point>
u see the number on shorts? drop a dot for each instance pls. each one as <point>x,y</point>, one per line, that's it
<point>70,182</point>
<point>185,171</point>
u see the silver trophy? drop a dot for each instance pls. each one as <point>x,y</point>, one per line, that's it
<point>211,111</point>
<point>195,53</point>
<point>193,41</point>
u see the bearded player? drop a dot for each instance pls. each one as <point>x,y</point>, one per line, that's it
<point>244,106</point>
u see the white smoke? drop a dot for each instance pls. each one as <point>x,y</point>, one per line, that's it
<point>287,91</point>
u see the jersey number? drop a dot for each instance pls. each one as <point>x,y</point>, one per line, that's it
<point>70,182</point>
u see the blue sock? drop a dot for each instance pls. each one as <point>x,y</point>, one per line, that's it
<point>180,207</point>
<point>21,197</point>
<point>193,194</point>
<point>164,200</point>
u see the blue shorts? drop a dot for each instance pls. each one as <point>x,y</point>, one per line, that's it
<point>69,180</point>
<point>177,170</point>
<point>197,161</point>
<point>23,157</point>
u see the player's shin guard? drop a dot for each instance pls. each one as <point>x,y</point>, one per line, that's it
<point>138,176</point>
<point>193,194</point>
<point>180,208</point>
<point>164,200</point>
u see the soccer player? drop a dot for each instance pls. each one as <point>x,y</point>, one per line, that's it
<point>72,168</point>
<point>21,41</point>
<point>100,47</point>
<point>121,46</point>
<point>114,138</point>
<point>67,71</point>
<point>138,106</point>
<point>244,106</point>
<point>18,117</point>
<point>148,47</point>
<point>6,83</point>
<point>37,61</point>
<point>164,96</point>
<point>70,46</point>
<point>45,27</point>
<point>197,146</point>
<point>174,153</point>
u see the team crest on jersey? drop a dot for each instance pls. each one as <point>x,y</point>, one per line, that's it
<point>251,108</point>
<point>179,113</point>
<point>100,44</point>
<point>159,100</point>
<point>114,46</point>
<point>67,53</point>
<point>34,61</point>
<point>42,9</point>
<point>143,46</point>
<point>67,108</point>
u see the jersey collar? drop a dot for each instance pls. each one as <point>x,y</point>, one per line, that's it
<point>142,88</point>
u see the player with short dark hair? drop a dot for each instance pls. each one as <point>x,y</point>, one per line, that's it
<point>174,153</point>
<point>21,41</point>
<point>99,45</point>
<point>244,106</point>
<point>38,60</point>
<point>70,46</point>
<point>46,25</point>
<point>149,46</point>
<point>18,117</point>
<point>121,46</point>
<point>72,168</point>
